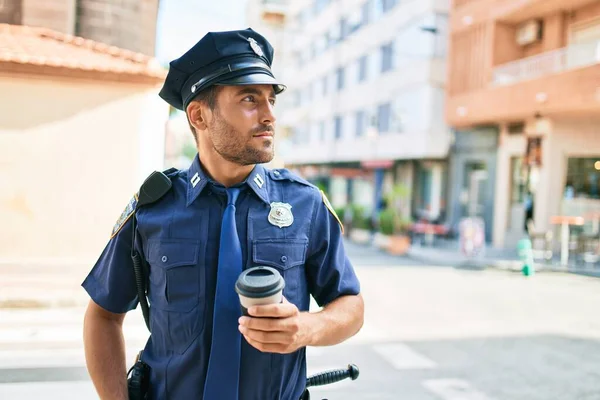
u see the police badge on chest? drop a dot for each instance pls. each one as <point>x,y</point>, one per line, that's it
<point>281,214</point>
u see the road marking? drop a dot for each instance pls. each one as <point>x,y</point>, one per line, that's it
<point>401,356</point>
<point>454,389</point>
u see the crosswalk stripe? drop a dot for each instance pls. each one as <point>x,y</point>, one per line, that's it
<point>454,389</point>
<point>401,357</point>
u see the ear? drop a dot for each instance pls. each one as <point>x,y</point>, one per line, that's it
<point>197,114</point>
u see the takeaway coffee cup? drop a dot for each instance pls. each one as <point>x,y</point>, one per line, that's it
<point>258,286</point>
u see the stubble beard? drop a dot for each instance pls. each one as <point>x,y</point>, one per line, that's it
<point>234,147</point>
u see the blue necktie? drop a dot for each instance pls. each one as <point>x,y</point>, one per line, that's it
<point>222,378</point>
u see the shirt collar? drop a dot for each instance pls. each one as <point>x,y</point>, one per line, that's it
<point>258,181</point>
<point>197,180</point>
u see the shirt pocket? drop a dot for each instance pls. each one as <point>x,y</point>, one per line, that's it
<point>288,256</point>
<point>175,274</point>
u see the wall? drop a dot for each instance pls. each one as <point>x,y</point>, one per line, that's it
<point>510,146</point>
<point>57,15</point>
<point>129,24</point>
<point>70,162</point>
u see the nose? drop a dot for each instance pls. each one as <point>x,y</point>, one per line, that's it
<point>268,114</point>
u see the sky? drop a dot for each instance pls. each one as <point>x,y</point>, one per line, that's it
<point>181,23</point>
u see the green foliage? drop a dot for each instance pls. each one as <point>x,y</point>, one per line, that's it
<point>391,221</point>
<point>360,218</point>
<point>340,211</point>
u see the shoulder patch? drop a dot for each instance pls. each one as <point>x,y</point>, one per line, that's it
<point>125,215</point>
<point>330,208</point>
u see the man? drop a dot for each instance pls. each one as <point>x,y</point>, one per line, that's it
<point>224,214</point>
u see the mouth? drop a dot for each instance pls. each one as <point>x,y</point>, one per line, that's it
<point>264,134</point>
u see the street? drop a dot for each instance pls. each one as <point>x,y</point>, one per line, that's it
<point>430,333</point>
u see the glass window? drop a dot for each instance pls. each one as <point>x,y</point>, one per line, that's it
<point>583,178</point>
<point>362,68</point>
<point>337,126</point>
<point>344,28</point>
<point>366,12</point>
<point>384,112</point>
<point>387,57</point>
<point>325,83</point>
<point>339,78</point>
<point>322,131</point>
<point>387,5</point>
<point>361,124</point>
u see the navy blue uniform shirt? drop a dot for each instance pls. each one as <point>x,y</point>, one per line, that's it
<point>179,238</point>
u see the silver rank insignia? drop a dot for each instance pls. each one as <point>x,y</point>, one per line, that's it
<point>281,214</point>
<point>256,47</point>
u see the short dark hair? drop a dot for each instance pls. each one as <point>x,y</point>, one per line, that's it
<point>207,96</point>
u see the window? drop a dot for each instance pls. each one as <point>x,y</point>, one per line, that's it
<point>384,114</point>
<point>325,82</point>
<point>387,5</point>
<point>309,92</point>
<point>365,12</point>
<point>344,28</point>
<point>355,21</point>
<point>337,127</point>
<point>339,73</point>
<point>361,123</point>
<point>362,68</point>
<point>387,57</point>
<point>322,131</point>
<point>297,98</point>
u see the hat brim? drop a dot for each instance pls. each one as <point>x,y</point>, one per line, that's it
<point>255,78</point>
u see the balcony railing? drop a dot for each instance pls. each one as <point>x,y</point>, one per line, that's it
<point>552,62</point>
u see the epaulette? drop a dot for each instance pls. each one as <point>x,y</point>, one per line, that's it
<point>285,174</point>
<point>171,172</point>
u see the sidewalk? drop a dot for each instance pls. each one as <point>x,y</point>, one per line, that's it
<point>492,258</point>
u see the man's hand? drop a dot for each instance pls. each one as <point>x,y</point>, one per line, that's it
<point>276,328</point>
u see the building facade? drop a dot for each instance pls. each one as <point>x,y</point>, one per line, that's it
<point>127,24</point>
<point>524,77</point>
<point>81,128</point>
<point>364,107</point>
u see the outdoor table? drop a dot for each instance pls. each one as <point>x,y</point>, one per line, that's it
<point>565,221</point>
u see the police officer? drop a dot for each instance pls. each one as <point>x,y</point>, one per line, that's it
<point>225,213</point>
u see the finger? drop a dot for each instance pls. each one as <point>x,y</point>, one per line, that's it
<point>266,348</point>
<point>267,337</point>
<point>270,324</point>
<point>279,310</point>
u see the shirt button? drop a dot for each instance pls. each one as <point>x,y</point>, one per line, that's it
<point>276,172</point>
<point>164,258</point>
<point>283,259</point>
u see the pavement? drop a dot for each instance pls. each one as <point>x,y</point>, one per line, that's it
<point>430,333</point>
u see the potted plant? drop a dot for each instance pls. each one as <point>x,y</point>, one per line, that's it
<point>393,223</point>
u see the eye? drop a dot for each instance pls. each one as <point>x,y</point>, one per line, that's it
<point>272,101</point>
<point>249,99</point>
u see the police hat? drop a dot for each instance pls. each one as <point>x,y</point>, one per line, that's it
<point>235,58</point>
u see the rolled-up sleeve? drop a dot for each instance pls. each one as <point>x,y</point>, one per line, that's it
<point>329,271</point>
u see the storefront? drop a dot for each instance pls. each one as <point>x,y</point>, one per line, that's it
<point>551,169</point>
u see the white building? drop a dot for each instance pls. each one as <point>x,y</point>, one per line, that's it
<point>365,96</point>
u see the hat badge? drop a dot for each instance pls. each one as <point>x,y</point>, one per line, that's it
<point>281,214</point>
<point>256,47</point>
